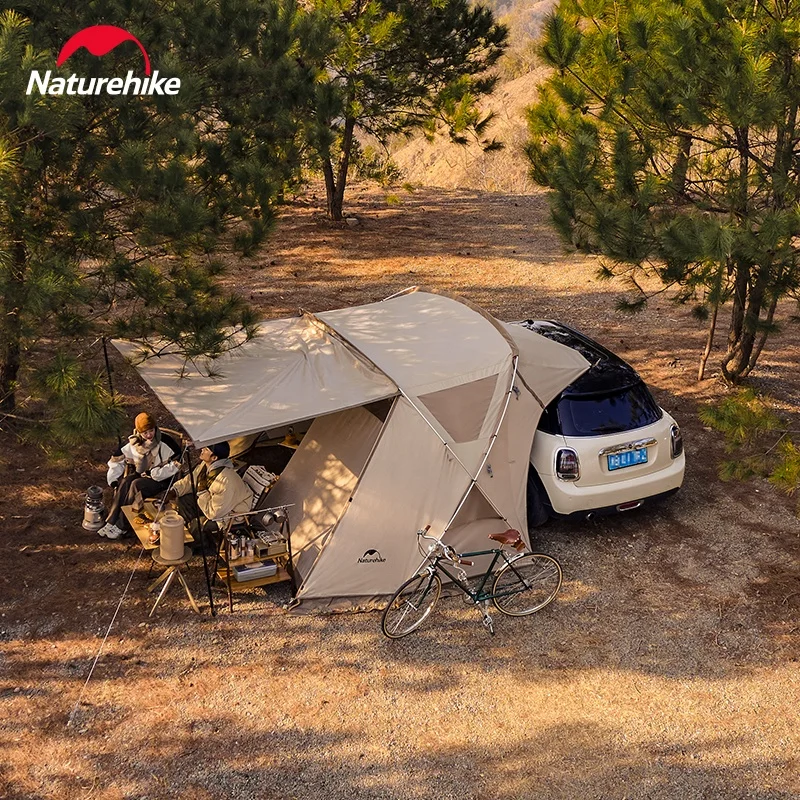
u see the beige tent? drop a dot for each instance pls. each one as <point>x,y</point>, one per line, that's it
<point>424,410</point>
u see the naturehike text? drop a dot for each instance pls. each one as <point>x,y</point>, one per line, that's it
<point>74,85</point>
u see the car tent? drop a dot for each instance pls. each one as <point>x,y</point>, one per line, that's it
<point>424,409</point>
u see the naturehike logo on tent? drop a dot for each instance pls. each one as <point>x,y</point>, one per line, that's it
<point>371,557</point>
<point>100,40</point>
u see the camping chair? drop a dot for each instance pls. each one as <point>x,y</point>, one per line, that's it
<point>173,438</point>
<point>259,480</point>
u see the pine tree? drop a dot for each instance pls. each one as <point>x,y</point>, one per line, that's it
<point>757,440</point>
<point>393,66</point>
<point>668,133</point>
<point>111,207</point>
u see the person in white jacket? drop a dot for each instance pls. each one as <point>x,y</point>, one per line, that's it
<point>143,467</point>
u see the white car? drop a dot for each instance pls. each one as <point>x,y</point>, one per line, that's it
<point>603,445</point>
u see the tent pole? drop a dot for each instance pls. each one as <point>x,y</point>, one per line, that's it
<point>292,579</point>
<point>200,533</point>
<point>407,290</point>
<point>492,440</point>
<point>110,385</point>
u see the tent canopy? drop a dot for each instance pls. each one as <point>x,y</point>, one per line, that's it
<point>303,367</point>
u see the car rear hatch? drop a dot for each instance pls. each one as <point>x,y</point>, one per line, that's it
<point>624,456</point>
<point>618,434</point>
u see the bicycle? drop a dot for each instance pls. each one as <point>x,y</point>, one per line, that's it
<point>525,583</point>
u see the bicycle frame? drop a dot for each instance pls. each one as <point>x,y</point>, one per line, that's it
<point>538,577</point>
<point>478,595</point>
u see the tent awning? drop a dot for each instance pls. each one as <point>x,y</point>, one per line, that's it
<point>546,366</point>
<point>293,370</point>
<point>304,367</point>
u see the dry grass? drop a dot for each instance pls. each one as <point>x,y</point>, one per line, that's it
<point>667,669</point>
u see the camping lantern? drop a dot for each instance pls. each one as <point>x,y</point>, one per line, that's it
<point>93,511</point>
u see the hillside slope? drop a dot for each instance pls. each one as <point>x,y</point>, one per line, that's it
<point>450,166</point>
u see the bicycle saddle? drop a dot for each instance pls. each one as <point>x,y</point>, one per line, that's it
<point>511,536</point>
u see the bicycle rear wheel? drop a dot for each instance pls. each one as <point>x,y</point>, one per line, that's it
<point>411,605</point>
<point>526,584</point>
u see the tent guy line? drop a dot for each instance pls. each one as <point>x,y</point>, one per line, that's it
<point>71,717</point>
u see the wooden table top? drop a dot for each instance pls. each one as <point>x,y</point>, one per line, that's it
<point>142,529</point>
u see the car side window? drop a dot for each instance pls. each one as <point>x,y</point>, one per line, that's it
<point>548,422</point>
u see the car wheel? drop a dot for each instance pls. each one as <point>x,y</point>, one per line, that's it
<point>537,510</point>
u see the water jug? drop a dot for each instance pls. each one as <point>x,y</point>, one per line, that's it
<point>171,536</point>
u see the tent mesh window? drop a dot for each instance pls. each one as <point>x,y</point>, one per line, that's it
<point>462,409</point>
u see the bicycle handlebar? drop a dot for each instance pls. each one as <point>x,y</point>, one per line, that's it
<point>446,551</point>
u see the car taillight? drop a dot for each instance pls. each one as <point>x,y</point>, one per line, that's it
<point>675,441</point>
<point>568,467</point>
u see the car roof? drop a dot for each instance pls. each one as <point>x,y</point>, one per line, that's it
<point>608,372</point>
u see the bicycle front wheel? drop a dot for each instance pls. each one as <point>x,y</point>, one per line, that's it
<point>411,605</point>
<point>526,584</point>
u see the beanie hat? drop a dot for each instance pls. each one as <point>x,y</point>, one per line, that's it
<point>144,422</point>
<point>220,449</point>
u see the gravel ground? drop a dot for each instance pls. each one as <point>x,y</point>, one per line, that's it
<point>667,668</point>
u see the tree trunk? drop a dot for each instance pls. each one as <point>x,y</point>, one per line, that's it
<point>741,282</point>
<point>330,190</point>
<point>736,364</point>
<point>335,185</point>
<point>681,166</point>
<point>712,328</point>
<point>9,370</point>
<point>11,328</point>
<point>733,363</point>
<point>344,162</point>
<point>763,337</point>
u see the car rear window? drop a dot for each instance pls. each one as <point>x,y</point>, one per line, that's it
<point>597,415</point>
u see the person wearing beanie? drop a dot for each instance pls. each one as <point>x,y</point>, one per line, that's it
<point>144,467</point>
<point>144,422</point>
<point>220,492</point>
<point>219,450</point>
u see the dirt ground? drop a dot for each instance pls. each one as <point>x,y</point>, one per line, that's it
<point>667,668</point>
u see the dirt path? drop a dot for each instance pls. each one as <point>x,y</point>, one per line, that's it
<point>667,669</point>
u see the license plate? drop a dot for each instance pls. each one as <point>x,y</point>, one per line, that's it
<point>627,459</point>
